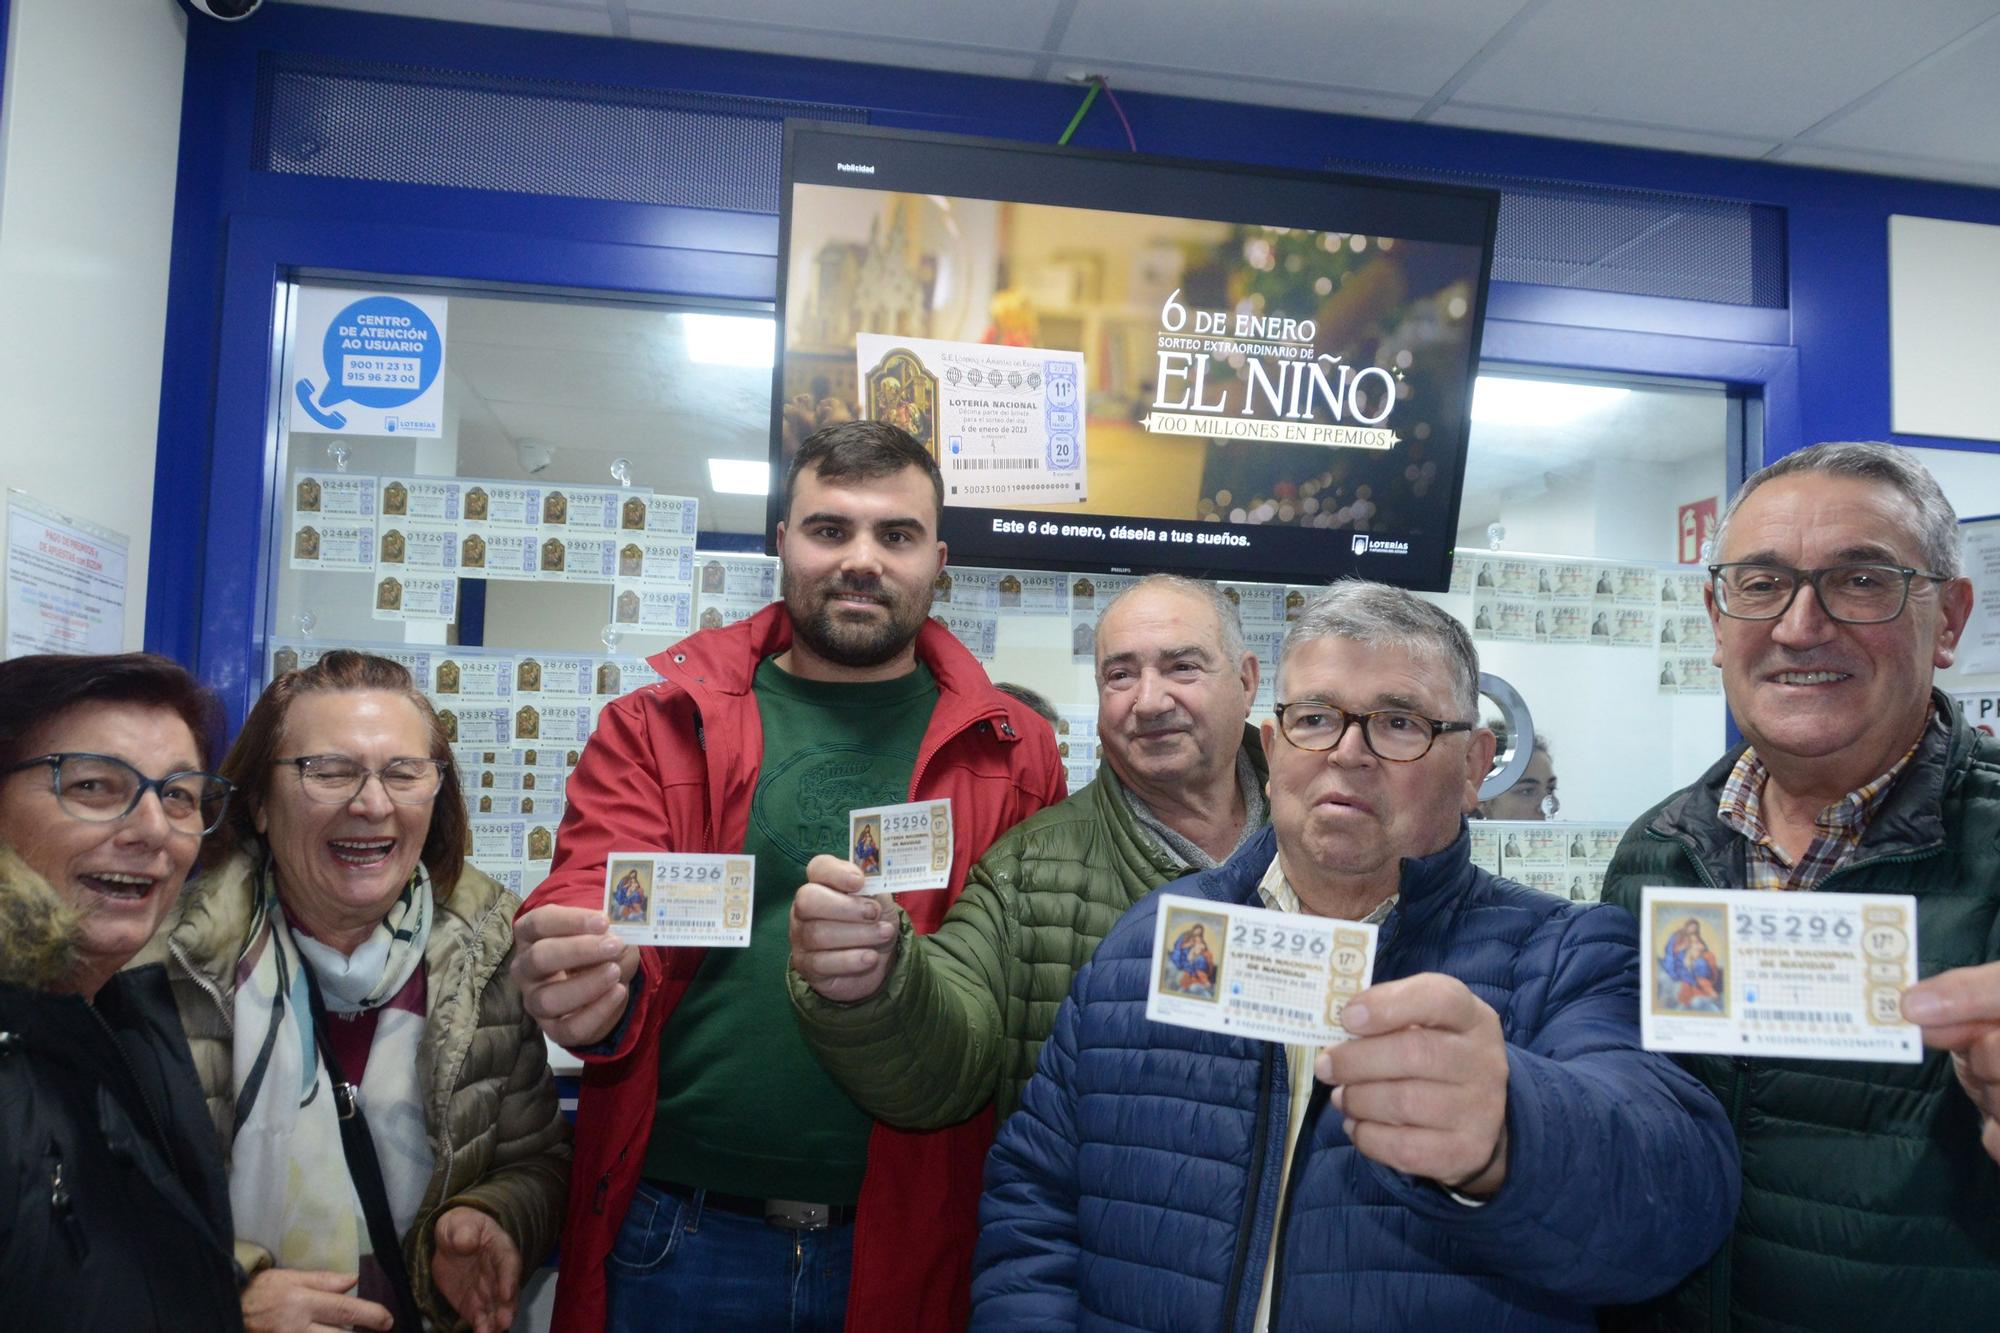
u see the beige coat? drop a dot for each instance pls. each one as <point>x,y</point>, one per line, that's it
<point>500,1143</point>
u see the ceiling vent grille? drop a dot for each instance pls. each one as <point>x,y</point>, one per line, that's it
<point>379,122</point>
<point>1637,242</point>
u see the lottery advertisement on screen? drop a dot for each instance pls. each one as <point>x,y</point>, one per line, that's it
<point>1135,363</point>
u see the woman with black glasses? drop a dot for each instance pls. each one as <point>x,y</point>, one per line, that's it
<point>114,1211</point>
<point>396,1157</point>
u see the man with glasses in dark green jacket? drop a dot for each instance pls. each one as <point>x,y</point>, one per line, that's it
<point>926,1030</point>
<point>1868,1202</point>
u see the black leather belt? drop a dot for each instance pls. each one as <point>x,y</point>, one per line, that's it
<point>790,1214</point>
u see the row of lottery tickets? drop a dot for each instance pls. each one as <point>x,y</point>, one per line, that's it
<point>418,536</point>
<point>1601,604</point>
<point>1808,976</point>
<point>1565,859</point>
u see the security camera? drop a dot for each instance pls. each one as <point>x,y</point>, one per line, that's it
<point>227,10</point>
<point>535,455</point>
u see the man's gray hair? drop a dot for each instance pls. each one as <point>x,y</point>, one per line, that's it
<point>1201,590</point>
<point>1933,522</point>
<point>1385,617</point>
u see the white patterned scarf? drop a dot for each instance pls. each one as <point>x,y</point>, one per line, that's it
<point>289,1184</point>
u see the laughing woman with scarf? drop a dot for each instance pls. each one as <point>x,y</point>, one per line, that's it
<point>343,954</point>
<point>113,1210</point>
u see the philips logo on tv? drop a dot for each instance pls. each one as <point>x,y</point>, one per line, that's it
<point>857,168</point>
<point>1365,545</point>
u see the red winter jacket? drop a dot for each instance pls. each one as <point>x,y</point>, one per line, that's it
<point>672,767</point>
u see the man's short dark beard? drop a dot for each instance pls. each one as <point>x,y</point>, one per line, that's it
<point>851,646</point>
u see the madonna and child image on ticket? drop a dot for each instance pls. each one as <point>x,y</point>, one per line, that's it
<point>680,898</point>
<point>901,847</point>
<point>1249,972</point>
<point>1811,976</point>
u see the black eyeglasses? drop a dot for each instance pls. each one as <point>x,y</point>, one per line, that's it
<point>1390,733</point>
<point>103,789</point>
<point>1863,593</point>
<point>334,779</point>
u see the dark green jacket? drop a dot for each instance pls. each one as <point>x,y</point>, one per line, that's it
<point>1867,1201</point>
<point>961,1020</point>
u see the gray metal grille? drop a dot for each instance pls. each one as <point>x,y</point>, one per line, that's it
<point>1638,242</point>
<point>382,122</point>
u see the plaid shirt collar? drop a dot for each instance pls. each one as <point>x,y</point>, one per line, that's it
<point>1278,895</point>
<point>1837,832</point>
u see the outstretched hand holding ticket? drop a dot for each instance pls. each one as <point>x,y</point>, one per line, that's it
<point>1422,1084</point>
<point>843,942</point>
<point>1959,1011</point>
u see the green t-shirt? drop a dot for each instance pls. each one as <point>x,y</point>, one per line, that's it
<point>743,1107</point>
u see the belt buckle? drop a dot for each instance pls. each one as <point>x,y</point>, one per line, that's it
<point>794,1215</point>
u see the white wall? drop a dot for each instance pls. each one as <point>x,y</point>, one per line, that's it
<point>89,140</point>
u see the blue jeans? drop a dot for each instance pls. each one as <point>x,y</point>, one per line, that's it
<point>677,1265</point>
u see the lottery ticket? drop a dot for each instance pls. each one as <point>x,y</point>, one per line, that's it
<point>427,499</point>
<point>1248,972</point>
<point>901,847</point>
<point>337,495</point>
<point>680,898</point>
<point>1811,976</point>
<point>333,545</point>
<point>740,576</point>
<point>1005,423</point>
<point>501,504</point>
<point>416,597</point>
<point>555,676</point>
<point>429,547</point>
<point>468,675</point>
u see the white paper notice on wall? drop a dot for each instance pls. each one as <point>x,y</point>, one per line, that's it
<point>1944,328</point>
<point>367,363</point>
<point>1979,646</point>
<point>65,581</point>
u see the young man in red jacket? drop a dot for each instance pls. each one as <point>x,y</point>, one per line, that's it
<point>722,1180</point>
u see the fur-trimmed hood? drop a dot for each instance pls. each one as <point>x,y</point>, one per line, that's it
<point>38,930</point>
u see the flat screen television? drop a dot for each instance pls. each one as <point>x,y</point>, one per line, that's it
<point>1133,363</point>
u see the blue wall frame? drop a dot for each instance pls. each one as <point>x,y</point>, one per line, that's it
<point>1820,369</point>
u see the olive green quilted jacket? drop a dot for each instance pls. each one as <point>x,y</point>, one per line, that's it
<point>500,1141</point>
<point>961,1020</point>
<point>1867,1201</point>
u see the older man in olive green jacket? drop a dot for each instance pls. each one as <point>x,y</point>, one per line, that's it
<point>924,1031</point>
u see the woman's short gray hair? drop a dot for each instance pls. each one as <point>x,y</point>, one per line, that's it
<point>1933,523</point>
<point>1385,617</point>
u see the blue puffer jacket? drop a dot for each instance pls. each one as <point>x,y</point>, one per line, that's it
<point>1137,1186</point>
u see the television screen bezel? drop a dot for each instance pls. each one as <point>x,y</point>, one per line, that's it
<point>1088,554</point>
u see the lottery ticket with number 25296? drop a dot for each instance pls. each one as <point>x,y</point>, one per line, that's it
<point>680,898</point>
<point>1812,976</point>
<point>1249,972</point>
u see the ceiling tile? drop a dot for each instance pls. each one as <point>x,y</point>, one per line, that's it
<point>1020,25</point>
<point>1254,92</point>
<point>1948,110</point>
<point>1410,48</point>
<point>818,44</point>
<point>1886,164</point>
<point>1504,119</point>
<point>587,19</point>
<point>1771,68</point>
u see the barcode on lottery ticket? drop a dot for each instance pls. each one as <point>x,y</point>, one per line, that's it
<point>982,463</point>
<point>1796,1016</point>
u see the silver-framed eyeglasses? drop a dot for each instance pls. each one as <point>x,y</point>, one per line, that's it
<point>1862,593</point>
<point>103,789</point>
<point>1394,734</point>
<point>334,779</point>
